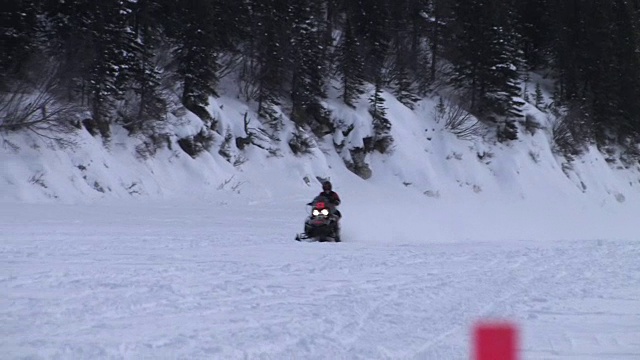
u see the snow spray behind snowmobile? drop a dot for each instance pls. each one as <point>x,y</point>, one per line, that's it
<point>322,223</point>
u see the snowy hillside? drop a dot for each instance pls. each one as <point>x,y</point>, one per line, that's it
<point>426,157</point>
<point>478,180</point>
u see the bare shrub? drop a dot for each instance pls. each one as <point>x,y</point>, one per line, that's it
<point>255,136</point>
<point>233,185</point>
<point>34,107</point>
<point>535,156</point>
<point>196,144</point>
<point>359,165</point>
<point>300,143</point>
<point>507,130</point>
<point>457,120</point>
<point>225,148</point>
<point>229,63</point>
<point>531,125</point>
<point>562,139</point>
<point>570,132</point>
<point>631,151</point>
<point>37,179</point>
<point>151,144</point>
<point>384,144</point>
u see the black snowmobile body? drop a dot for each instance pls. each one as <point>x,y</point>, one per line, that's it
<point>322,223</point>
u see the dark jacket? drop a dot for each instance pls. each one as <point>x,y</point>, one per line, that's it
<point>333,197</point>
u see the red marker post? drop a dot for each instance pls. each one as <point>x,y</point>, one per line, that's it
<point>495,341</point>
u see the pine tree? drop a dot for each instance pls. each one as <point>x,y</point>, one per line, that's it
<point>381,139</point>
<point>110,70</point>
<point>486,57</point>
<point>571,49</point>
<point>525,90</point>
<point>146,40</point>
<point>625,38</point>
<point>373,18</point>
<point>70,44</point>
<point>598,65</point>
<point>539,99</point>
<point>536,30</point>
<point>19,27</point>
<point>271,34</point>
<point>502,74</point>
<point>350,65</point>
<point>405,52</point>
<point>196,54</point>
<point>440,18</point>
<point>201,30</point>
<point>91,41</point>
<point>441,109</point>
<point>469,46</point>
<point>93,44</point>
<point>308,65</point>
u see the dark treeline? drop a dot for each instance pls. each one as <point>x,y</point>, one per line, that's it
<point>130,62</point>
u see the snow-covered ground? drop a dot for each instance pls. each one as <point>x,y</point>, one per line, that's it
<point>224,280</point>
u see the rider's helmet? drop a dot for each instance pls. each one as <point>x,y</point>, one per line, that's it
<point>326,186</point>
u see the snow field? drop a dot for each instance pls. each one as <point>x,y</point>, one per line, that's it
<point>190,281</point>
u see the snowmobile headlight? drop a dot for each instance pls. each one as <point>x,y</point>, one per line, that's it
<point>325,212</point>
<point>315,212</point>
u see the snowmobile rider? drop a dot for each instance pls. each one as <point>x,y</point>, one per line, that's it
<point>327,191</point>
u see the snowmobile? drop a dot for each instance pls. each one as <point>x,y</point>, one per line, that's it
<point>322,223</point>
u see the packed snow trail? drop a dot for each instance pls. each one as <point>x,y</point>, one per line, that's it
<point>228,282</point>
